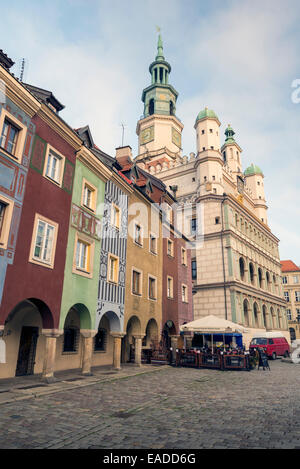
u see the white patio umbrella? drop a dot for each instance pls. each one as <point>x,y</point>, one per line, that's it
<point>212,325</point>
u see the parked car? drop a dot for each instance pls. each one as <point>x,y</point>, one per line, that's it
<point>275,344</point>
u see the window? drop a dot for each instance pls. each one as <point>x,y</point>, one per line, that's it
<point>9,137</point>
<point>100,340</point>
<point>115,216</point>
<point>113,268</point>
<point>286,296</point>
<point>297,296</point>
<point>152,288</point>
<point>193,226</point>
<point>289,314</point>
<point>211,131</point>
<point>138,235</point>
<point>153,244</point>
<point>296,279</point>
<point>3,207</point>
<point>170,287</point>
<point>242,268</point>
<point>83,255</point>
<point>136,282</point>
<point>89,195</point>
<point>202,132</point>
<point>12,135</point>
<point>183,256</point>
<point>170,248</point>
<point>217,220</point>
<point>54,166</point>
<point>284,280</point>
<point>298,314</point>
<point>6,211</point>
<point>194,269</point>
<point>184,293</point>
<point>43,242</point>
<point>70,339</point>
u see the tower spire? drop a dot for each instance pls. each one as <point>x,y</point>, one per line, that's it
<point>160,54</point>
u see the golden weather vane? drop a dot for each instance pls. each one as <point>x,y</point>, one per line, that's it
<point>158,29</point>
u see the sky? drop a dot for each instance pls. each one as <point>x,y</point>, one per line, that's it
<point>239,58</point>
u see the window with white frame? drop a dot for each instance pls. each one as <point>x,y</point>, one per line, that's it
<point>43,241</point>
<point>289,314</point>
<point>9,136</point>
<point>6,211</point>
<point>169,287</point>
<point>153,243</point>
<point>284,280</point>
<point>54,166</point>
<point>298,314</point>
<point>286,296</point>
<point>296,278</point>
<point>138,234</point>
<point>89,195</point>
<point>170,248</point>
<point>152,288</point>
<point>297,296</point>
<point>136,282</point>
<point>115,216</point>
<point>113,268</point>
<point>82,255</point>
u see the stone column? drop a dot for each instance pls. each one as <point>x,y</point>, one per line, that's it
<point>174,339</point>
<point>88,336</point>
<point>138,349</point>
<point>117,349</point>
<point>50,352</point>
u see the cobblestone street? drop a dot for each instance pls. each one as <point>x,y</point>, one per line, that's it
<point>169,408</point>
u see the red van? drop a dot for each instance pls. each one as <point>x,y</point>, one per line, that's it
<point>274,343</point>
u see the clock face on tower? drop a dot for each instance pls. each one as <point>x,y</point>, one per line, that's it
<point>176,137</point>
<point>147,135</point>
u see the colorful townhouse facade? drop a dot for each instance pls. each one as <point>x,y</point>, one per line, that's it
<point>30,307</point>
<point>291,291</point>
<point>174,250</point>
<point>85,271</point>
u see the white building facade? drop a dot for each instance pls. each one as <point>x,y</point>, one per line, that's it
<point>236,263</point>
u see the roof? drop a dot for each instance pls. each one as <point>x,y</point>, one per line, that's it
<point>5,60</point>
<point>45,96</point>
<point>252,170</point>
<point>206,113</point>
<point>289,266</point>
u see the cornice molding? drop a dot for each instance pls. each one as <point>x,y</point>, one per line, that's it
<point>96,166</point>
<point>18,94</point>
<point>246,289</point>
<point>156,117</point>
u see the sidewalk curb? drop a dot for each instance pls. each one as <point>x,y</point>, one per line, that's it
<point>76,386</point>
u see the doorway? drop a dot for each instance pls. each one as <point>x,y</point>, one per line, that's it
<point>27,350</point>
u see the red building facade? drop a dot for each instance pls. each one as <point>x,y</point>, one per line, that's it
<point>30,307</point>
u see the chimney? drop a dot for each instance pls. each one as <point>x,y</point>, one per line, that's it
<point>124,155</point>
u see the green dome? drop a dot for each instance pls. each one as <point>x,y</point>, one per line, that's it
<point>206,113</point>
<point>253,169</point>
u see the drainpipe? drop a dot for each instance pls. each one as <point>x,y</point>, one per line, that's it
<point>223,258</point>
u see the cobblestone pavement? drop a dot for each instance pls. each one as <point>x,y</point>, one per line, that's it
<point>170,408</point>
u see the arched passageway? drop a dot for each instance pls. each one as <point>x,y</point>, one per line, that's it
<point>23,338</point>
